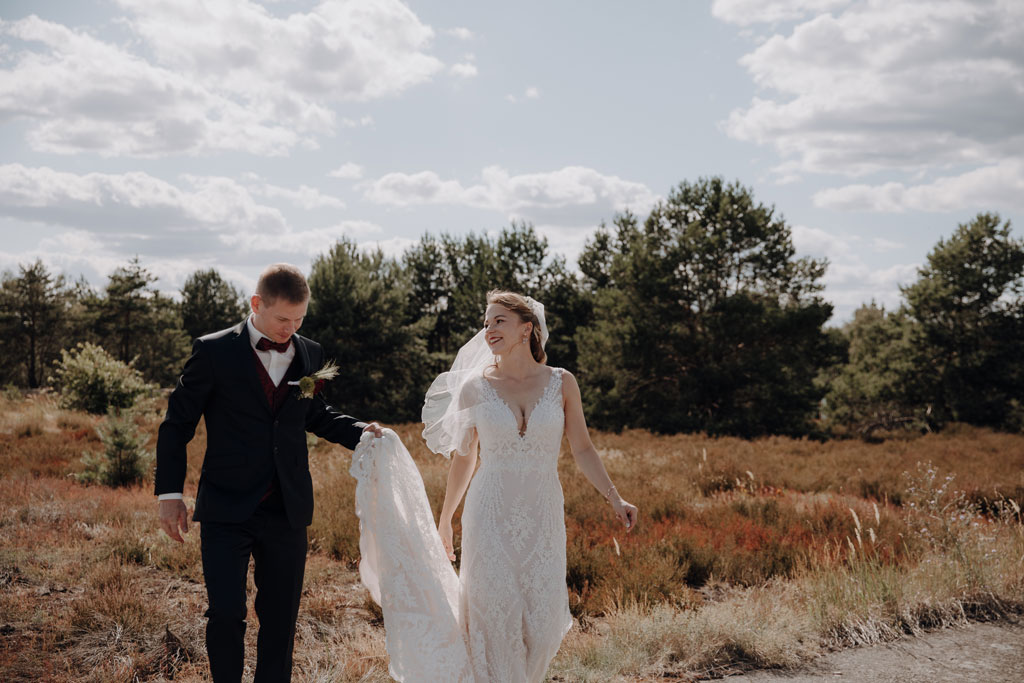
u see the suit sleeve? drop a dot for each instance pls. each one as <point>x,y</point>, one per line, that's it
<point>184,408</point>
<point>329,423</point>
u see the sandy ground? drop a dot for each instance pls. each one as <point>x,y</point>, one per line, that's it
<point>985,652</point>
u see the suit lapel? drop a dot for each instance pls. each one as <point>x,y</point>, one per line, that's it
<point>246,360</point>
<point>300,364</point>
<point>302,353</point>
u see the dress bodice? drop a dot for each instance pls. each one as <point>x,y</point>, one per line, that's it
<point>501,444</point>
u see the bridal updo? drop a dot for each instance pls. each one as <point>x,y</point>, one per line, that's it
<point>517,304</point>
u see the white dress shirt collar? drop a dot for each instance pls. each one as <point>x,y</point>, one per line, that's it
<point>254,334</point>
<point>276,363</point>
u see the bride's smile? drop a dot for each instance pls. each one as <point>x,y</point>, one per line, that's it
<point>504,330</point>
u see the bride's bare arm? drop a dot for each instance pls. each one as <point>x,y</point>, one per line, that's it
<point>459,474</point>
<point>585,454</point>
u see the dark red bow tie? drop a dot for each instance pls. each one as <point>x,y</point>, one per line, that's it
<point>265,344</point>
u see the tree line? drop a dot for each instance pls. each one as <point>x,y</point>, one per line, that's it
<point>698,317</point>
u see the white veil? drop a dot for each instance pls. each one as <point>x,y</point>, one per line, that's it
<point>450,402</point>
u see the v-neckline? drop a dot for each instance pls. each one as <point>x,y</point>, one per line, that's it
<point>526,418</point>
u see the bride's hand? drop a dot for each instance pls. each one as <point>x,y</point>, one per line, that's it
<point>444,528</point>
<point>625,513</point>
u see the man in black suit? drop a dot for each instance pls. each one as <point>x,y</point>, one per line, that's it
<point>255,494</point>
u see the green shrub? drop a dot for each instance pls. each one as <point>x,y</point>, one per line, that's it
<point>124,460</point>
<point>90,379</point>
<point>12,392</point>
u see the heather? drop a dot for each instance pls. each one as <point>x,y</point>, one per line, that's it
<point>750,553</point>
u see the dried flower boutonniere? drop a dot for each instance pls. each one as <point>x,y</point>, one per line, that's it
<point>311,385</point>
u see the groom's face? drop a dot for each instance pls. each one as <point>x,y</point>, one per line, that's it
<point>278,319</point>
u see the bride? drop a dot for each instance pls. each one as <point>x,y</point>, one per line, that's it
<point>504,616</point>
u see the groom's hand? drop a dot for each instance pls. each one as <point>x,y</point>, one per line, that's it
<point>174,516</point>
<point>375,428</point>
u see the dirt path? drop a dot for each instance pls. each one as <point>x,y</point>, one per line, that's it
<point>992,653</point>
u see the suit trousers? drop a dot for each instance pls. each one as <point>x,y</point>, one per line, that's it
<point>279,557</point>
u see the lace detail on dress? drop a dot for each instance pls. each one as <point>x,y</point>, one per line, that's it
<point>509,609</point>
<point>515,601</point>
<point>497,423</point>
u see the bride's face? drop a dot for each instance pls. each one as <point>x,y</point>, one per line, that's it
<point>504,330</point>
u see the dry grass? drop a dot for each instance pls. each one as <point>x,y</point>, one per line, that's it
<point>749,554</point>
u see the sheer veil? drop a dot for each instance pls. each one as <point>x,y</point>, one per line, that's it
<point>448,406</point>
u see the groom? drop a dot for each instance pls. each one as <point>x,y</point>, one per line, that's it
<point>255,495</point>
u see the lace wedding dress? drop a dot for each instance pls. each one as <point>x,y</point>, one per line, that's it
<point>503,619</point>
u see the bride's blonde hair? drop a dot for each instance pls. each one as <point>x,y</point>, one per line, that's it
<point>518,305</point>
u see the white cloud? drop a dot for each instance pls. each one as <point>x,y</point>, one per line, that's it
<point>393,247</point>
<point>567,240</point>
<point>999,185</point>
<point>77,253</point>
<point>304,196</point>
<point>70,251</point>
<point>461,32</point>
<point>571,186</point>
<point>404,189</point>
<point>205,214</point>
<point>851,281</point>
<point>463,70</point>
<point>86,95</point>
<point>352,50</point>
<point>820,243</point>
<point>307,243</point>
<point>903,85</point>
<point>102,220</point>
<point>130,201</point>
<point>880,244</point>
<point>853,284</point>
<point>347,171</point>
<point>531,93</point>
<point>747,12</point>
<point>361,122</point>
<point>216,75</point>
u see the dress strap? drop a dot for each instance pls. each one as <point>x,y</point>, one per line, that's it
<point>555,386</point>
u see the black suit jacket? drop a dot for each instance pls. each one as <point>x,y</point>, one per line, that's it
<point>245,442</point>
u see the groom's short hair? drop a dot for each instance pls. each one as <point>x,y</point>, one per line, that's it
<point>282,280</point>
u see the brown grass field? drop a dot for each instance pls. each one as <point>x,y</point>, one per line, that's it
<point>749,554</point>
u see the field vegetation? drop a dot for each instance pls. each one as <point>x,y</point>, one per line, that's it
<point>749,553</point>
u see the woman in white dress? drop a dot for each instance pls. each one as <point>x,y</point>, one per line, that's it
<point>504,617</point>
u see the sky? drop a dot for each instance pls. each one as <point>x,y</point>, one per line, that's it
<point>233,134</point>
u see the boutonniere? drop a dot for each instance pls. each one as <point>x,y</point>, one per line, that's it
<point>311,385</point>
